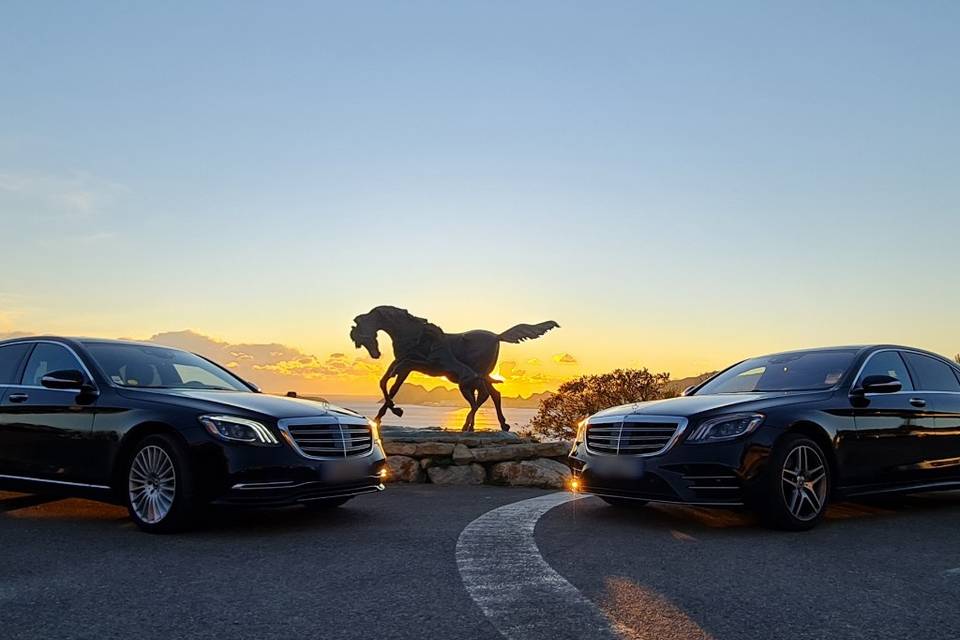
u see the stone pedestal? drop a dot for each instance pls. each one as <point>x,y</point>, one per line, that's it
<point>480,457</point>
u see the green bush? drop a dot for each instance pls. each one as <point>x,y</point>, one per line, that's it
<point>574,400</point>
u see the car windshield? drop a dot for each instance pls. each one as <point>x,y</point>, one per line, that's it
<point>797,371</point>
<point>146,367</point>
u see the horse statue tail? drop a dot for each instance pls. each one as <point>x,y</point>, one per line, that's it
<point>523,332</point>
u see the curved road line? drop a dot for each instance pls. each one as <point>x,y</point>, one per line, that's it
<point>522,596</point>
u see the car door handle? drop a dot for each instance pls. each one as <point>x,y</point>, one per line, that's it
<point>918,402</point>
<point>18,397</point>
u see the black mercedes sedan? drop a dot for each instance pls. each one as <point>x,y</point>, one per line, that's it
<point>783,434</point>
<point>166,432</point>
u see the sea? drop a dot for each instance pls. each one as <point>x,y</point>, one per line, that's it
<point>418,415</point>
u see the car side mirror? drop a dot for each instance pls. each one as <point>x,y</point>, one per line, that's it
<point>688,390</point>
<point>879,384</point>
<point>66,379</point>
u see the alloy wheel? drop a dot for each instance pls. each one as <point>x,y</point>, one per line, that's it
<point>804,482</point>
<point>152,484</point>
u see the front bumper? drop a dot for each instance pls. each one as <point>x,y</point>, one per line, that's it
<point>243,475</point>
<point>718,474</point>
<point>280,494</point>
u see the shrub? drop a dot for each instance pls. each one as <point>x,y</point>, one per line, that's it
<point>574,400</point>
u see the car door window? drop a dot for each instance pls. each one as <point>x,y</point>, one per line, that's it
<point>932,374</point>
<point>11,356</point>
<point>887,363</point>
<point>46,358</point>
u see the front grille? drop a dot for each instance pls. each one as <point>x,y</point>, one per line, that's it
<point>331,440</point>
<point>631,438</point>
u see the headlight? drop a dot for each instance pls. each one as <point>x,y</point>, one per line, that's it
<point>235,429</point>
<point>374,430</point>
<point>726,427</point>
<point>582,430</point>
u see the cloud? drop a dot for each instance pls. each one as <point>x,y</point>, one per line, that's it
<point>277,367</point>
<point>564,358</point>
<point>527,379</point>
<point>75,194</point>
<point>509,370</point>
<point>9,313</point>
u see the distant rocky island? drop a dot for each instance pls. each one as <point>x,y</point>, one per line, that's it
<point>415,394</point>
<point>443,397</point>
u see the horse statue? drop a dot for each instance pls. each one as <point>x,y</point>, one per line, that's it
<point>466,359</point>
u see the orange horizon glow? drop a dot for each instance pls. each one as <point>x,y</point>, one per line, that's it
<point>331,366</point>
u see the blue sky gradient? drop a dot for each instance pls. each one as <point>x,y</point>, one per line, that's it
<point>678,184</point>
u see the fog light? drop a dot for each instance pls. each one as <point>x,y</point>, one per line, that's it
<point>383,473</point>
<point>574,485</point>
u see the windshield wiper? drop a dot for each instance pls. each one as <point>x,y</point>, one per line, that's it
<point>206,387</point>
<point>179,386</point>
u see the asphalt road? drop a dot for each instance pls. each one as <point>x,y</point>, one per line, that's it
<point>888,569</point>
<point>385,566</point>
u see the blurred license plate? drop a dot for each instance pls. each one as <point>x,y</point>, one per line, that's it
<point>619,467</point>
<point>345,472</point>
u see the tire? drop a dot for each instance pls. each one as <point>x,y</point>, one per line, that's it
<point>622,502</point>
<point>796,490</point>
<point>158,486</point>
<point>326,504</point>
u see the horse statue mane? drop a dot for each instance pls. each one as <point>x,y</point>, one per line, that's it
<point>397,317</point>
<point>393,314</point>
<point>467,359</point>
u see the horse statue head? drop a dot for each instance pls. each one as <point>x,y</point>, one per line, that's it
<point>364,334</point>
<point>401,325</point>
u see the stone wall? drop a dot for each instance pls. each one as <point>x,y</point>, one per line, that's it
<point>483,457</point>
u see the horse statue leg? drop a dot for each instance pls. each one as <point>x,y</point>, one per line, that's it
<point>392,370</point>
<point>482,396</point>
<point>382,412</point>
<point>469,392</point>
<point>476,396</point>
<point>387,403</point>
<point>402,374</point>
<point>495,394</point>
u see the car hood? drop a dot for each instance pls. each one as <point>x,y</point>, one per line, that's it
<point>687,406</point>
<point>261,403</point>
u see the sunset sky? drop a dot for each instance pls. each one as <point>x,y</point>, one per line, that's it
<point>679,185</point>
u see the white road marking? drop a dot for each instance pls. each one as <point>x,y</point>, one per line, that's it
<point>522,595</point>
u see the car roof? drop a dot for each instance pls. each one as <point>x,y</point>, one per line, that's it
<point>843,347</point>
<point>861,348</point>
<point>78,340</point>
